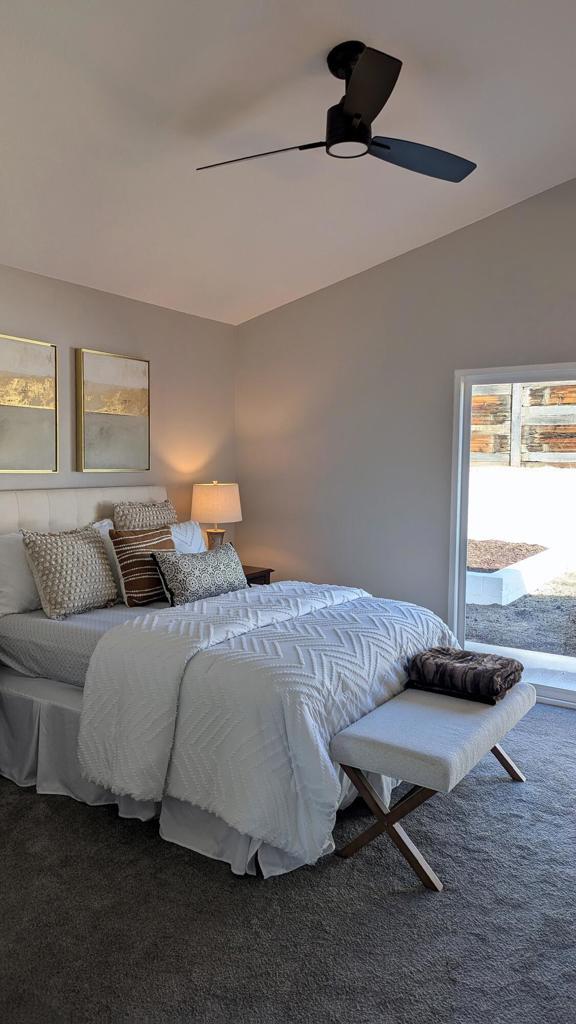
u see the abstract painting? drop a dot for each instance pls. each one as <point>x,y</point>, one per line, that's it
<point>28,413</point>
<point>113,412</point>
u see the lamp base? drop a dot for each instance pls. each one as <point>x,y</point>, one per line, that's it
<point>215,538</point>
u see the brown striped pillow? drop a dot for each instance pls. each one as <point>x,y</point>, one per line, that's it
<point>139,576</point>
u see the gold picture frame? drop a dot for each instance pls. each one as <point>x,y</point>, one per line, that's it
<point>112,412</point>
<point>28,406</point>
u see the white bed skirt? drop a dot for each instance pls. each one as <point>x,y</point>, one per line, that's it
<point>39,720</point>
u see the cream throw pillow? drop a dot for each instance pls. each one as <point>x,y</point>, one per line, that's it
<point>144,515</point>
<point>71,571</point>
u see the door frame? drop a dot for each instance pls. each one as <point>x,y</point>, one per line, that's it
<point>464,380</point>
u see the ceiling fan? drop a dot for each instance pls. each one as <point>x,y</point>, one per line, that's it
<point>370,77</point>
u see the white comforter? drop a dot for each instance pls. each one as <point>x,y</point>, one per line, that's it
<point>230,704</point>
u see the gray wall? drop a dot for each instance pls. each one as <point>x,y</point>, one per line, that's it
<point>344,398</point>
<point>191,376</point>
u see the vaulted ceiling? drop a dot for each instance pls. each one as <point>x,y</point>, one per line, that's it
<point>106,108</point>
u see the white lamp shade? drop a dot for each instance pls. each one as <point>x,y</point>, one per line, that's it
<point>216,503</point>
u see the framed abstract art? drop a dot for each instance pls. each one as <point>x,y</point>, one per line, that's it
<point>28,406</point>
<point>112,412</point>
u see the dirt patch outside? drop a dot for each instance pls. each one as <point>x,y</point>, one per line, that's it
<point>491,555</point>
<point>542,621</point>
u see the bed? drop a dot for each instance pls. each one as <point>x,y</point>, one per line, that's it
<point>215,717</point>
<point>34,645</point>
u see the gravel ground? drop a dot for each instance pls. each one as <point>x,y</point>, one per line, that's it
<point>491,555</point>
<point>542,621</point>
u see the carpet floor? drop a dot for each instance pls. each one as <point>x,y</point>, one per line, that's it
<point>103,923</point>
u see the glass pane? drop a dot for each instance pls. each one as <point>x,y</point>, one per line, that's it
<point>521,578</point>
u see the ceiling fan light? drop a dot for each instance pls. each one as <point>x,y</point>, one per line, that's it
<point>346,137</point>
<point>346,149</point>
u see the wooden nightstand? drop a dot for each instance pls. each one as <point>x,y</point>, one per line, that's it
<point>256,574</point>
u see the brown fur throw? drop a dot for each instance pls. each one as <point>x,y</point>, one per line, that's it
<point>481,677</point>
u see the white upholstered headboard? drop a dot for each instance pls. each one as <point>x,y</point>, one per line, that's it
<point>66,508</point>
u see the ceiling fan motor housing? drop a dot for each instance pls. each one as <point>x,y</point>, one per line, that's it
<point>346,136</point>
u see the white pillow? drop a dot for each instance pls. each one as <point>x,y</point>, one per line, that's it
<point>188,538</point>
<point>18,591</point>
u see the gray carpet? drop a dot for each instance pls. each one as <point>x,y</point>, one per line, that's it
<point>103,922</point>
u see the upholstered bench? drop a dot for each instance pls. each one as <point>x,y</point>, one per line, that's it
<point>430,741</point>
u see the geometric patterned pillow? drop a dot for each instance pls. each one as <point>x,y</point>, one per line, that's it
<point>140,581</point>
<point>71,571</point>
<point>143,515</point>
<point>194,577</point>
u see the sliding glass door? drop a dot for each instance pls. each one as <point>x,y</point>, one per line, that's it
<point>514,510</point>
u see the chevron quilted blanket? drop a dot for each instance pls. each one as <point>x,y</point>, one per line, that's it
<point>231,703</point>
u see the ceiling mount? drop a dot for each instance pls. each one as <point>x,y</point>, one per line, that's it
<point>343,58</point>
<point>370,76</point>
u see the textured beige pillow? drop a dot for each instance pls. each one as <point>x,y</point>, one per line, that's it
<point>71,571</point>
<point>144,515</point>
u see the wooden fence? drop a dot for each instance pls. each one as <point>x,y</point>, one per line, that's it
<point>524,424</point>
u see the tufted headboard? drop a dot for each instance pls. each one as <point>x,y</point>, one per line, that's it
<point>66,508</point>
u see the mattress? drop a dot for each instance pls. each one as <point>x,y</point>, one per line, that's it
<point>60,649</point>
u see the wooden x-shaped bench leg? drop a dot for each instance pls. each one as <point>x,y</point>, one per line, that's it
<point>387,821</point>
<point>507,763</point>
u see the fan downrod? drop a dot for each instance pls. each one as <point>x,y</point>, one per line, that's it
<point>343,58</point>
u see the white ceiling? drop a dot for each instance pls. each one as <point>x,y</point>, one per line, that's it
<point>107,106</point>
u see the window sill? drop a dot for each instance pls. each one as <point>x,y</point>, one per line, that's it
<point>552,675</point>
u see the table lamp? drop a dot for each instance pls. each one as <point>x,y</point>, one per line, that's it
<point>216,503</point>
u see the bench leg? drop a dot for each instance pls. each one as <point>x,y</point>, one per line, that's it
<point>387,821</point>
<point>417,862</point>
<point>507,763</point>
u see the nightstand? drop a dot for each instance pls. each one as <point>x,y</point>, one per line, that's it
<point>256,574</point>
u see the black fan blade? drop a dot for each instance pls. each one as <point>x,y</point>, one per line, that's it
<point>436,163</point>
<point>371,84</point>
<point>256,156</point>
